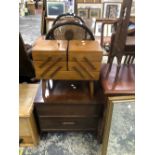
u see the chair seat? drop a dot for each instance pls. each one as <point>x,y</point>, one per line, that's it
<point>125,83</point>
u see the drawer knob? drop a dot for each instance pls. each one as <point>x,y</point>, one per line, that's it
<point>68,123</point>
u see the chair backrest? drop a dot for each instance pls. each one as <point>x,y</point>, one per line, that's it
<point>66,17</point>
<point>119,40</point>
<point>70,31</point>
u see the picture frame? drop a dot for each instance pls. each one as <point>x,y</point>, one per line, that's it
<point>119,128</point>
<point>55,8</point>
<point>111,10</point>
<point>98,29</point>
<point>97,1</point>
<point>89,1</point>
<point>79,1</point>
<point>83,12</point>
<point>94,13</point>
<point>133,9</point>
<point>90,6</point>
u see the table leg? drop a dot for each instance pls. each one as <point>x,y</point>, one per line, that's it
<point>43,89</point>
<point>91,87</point>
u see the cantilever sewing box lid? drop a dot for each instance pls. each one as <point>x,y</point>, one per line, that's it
<point>45,48</point>
<point>27,93</point>
<point>89,48</point>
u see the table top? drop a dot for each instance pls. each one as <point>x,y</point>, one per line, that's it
<point>84,46</point>
<point>69,92</point>
<point>49,45</point>
<point>27,94</point>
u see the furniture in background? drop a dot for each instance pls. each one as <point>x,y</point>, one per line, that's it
<point>119,38</point>
<point>31,7</point>
<point>28,133</point>
<point>40,5</point>
<point>107,32</point>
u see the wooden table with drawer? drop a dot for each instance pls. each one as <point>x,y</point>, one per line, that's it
<point>27,126</point>
<point>68,107</point>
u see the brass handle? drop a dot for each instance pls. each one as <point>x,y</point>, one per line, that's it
<point>68,123</point>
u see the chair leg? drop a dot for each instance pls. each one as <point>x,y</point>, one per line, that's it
<point>91,87</point>
<point>132,59</point>
<point>109,58</point>
<point>125,61</point>
<point>117,72</point>
<point>118,68</point>
<point>43,89</point>
<point>129,59</point>
<point>110,61</point>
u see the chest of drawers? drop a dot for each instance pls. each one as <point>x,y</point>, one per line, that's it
<point>68,107</point>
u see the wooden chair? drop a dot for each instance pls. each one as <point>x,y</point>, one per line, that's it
<point>71,17</point>
<point>108,27</point>
<point>70,31</point>
<point>118,41</point>
<point>68,17</point>
<point>121,78</point>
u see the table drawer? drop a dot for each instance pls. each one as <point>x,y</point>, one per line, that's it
<point>83,56</point>
<point>48,69</point>
<point>24,129</point>
<point>41,65</point>
<point>50,123</point>
<point>87,65</point>
<point>69,109</point>
<point>48,56</point>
